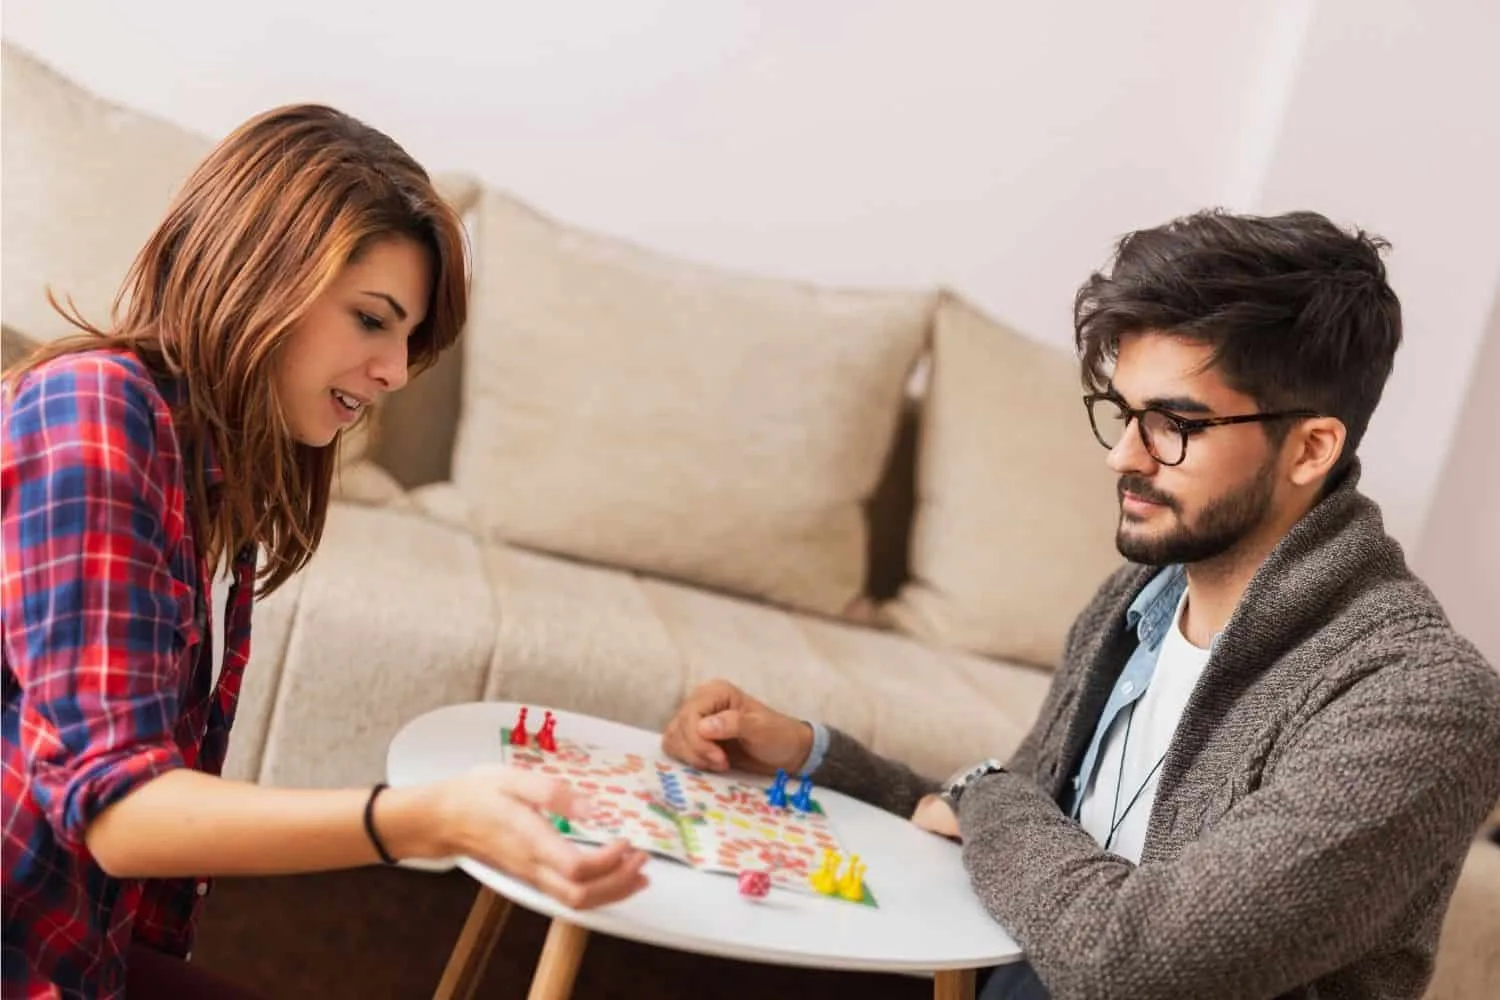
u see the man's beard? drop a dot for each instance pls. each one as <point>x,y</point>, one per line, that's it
<point>1222,525</point>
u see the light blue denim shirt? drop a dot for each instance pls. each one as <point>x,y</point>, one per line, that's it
<point>1150,614</point>
<point>819,748</point>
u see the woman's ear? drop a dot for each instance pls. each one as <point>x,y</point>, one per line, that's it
<point>1317,443</point>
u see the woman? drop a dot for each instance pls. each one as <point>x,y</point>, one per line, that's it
<point>303,271</point>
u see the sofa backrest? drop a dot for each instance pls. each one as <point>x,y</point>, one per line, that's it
<point>412,431</point>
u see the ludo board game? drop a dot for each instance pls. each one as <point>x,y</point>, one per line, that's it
<point>711,822</point>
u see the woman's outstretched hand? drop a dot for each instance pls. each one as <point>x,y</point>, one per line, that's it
<point>493,814</point>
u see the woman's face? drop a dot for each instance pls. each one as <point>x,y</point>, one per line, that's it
<point>349,348</point>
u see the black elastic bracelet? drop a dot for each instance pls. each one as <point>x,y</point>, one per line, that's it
<point>370,824</point>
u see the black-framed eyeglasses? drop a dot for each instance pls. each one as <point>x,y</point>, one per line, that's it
<point>1165,434</point>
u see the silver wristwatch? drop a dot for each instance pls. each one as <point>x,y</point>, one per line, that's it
<point>954,787</point>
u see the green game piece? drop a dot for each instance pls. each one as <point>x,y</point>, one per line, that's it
<point>562,824</point>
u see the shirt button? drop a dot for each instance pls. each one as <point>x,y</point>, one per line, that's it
<point>1127,687</point>
<point>203,888</point>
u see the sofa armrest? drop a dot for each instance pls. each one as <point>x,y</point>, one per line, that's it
<point>1468,959</point>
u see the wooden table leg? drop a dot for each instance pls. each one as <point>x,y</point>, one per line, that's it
<point>558,966</point>
<point>954,984</point>
<point>475,943</point>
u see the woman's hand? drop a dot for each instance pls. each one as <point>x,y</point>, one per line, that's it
<point>493,815</point>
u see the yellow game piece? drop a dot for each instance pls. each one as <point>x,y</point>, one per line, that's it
<point>852,885</point>
<point>825,879</point>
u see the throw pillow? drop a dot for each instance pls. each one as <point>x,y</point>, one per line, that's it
<point>627,408</point>
<point>1014,529</point>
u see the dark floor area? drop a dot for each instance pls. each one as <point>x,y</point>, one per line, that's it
<point>377,933</point>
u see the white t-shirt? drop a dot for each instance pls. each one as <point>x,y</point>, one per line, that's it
<point>219,596</point>
<point>1151,723</point>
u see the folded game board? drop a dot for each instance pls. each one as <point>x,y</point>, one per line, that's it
<point>708,821</point>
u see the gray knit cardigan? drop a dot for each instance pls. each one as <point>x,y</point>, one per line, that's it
<point>1317,801</point>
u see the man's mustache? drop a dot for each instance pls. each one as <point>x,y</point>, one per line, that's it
<point>1141,487</point>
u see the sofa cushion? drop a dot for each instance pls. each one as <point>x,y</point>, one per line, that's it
<point>637,411</point>
<point>599,640</point>
<point>933,709</point>
<point>397,615</point>
<point>365,482</point>
<point>391,618</point>
<point>579,637</point>
<point>86,182</point>
<point>1016,514</point>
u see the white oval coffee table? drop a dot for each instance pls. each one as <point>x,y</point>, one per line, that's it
<point>928,919</point>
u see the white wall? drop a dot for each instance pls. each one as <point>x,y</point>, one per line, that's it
<point>996,147</point>
<point>1459,556</point>
<point>999,147</point>
<point>1384,126</point>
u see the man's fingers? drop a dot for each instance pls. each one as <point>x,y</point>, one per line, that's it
<point>684,737</point>
<point>712,730</point>
<point>692,748</point>
<point>722,725</point>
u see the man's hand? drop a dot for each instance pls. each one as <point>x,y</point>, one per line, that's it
<point>719,727</point>
<point>934,815</point>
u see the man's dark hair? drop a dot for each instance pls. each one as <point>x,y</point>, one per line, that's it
<point>1298,312</point>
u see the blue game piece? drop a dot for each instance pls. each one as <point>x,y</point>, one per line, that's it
<point>803,799</point>
<point>776,794</point>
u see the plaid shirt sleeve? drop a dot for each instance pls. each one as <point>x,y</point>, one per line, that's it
<point>94,617</point>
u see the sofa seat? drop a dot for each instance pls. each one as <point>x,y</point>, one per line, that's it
<point>399,613</point>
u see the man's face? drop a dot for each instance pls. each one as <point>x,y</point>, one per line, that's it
<point>1224,488</point>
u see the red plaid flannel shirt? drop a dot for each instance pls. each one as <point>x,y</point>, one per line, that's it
<point>108,662</point>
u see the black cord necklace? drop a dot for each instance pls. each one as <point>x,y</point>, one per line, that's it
<point>1116,819</point>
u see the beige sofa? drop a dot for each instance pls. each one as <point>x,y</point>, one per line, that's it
<point>875,508</point>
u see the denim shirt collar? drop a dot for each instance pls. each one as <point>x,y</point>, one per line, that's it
<point>1152,611</point>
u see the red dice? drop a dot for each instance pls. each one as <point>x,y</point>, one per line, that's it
<point>756,885</point>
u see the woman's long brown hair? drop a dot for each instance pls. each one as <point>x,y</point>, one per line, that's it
<point>256,234</point>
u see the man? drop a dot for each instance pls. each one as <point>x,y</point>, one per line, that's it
<point>1265,752</point>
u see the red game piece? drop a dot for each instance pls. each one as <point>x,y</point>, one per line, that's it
<point>518,732</point>
<point>545,738</point>
<point>755,884</point>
